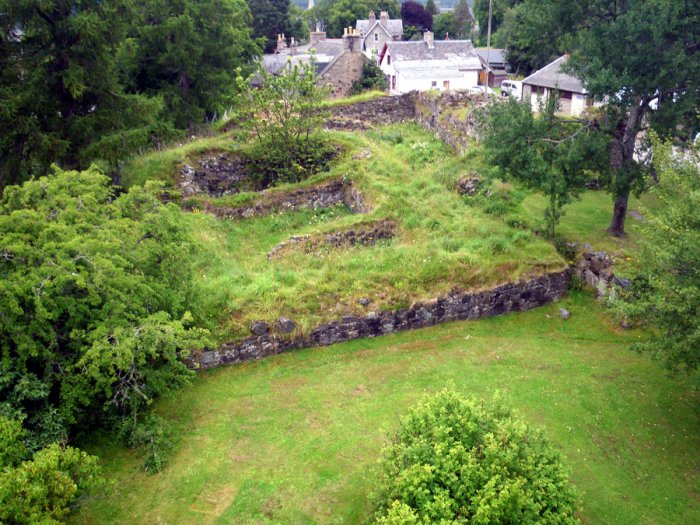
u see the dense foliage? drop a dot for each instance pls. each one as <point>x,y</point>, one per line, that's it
<point>639,57</point>
<point>60,94</point>
<point>544,152</point>
<point>275,17</point>
<point>499,9</point>
<point>96,81</point>
<point>416,19</point>
<point>40,487</point>
<point>463,20</point>
<point>373,78</point>
<point>94,291</point>
<point>187,53</point>
<point>456,460</point>
<point>285,117</point>
<point>665,294</point>
<point>444,26</point>
<point>334,15</point>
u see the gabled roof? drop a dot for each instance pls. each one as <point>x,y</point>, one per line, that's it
<point>394,27</point>
<point>450,53</point>
<point>552,76</point>
<point>496,56</point>
<point>326,52</point>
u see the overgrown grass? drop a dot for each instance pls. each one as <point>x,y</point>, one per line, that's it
<point>294,439</point>
<point>353,99</point>
<point>163,165</point>
<point>441,244</point>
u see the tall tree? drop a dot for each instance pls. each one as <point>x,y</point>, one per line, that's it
<point>60,96</point>
<point>543,152</point>
<point>415,15</point>
<point>431,8</point>
<point>338,14</point>
<point>640,57</point>
<point>270,18</point>
<point>444,24</point>
<point>499,10</point>
<point>463,19</point>
<point>665,293</point>
<point>187,52</point>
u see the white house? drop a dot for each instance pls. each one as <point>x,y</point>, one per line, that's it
<point>573,97</point>
<point>428,64</point>
<point>375,33</point>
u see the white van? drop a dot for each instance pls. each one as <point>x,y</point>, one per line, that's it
<point>513,88</point>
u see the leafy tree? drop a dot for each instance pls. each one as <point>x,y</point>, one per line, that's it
<point>414,14</point>
<point>60,95</point>
<point>457,460</point>
<point>285,117</point>
<point>338,14</point>
<point>543,152</point>
<point>444,24</point>
<point>373,78</point>
<point>187,53</point>
<point>639,56</point>
<point>431,8</point>
<point>665,294</point>
<point>271,18</point>
<point>499,10</point>
<point>463,20</point>
<point>94,291</point>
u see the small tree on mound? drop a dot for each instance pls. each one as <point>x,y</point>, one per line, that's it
<point>285,118</point>
<point>455,460</point>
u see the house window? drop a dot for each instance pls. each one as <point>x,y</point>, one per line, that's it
<point>393,82</point>
<point>566,95</point>
<point>434,83</point>
<point>376,37</point>
<point>388,60</point>
<point>446,85</point>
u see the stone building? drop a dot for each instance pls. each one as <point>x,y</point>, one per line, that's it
<point>339,61</point>
<point>375,33</point>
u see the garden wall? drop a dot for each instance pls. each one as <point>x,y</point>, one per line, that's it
<point>513,297</point>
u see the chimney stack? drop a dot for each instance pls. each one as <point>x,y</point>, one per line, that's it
<point>317,36</point>
<point>384,18</point>
<point>352,40</point>
<point>372,19</point>
<point>293,47</point>
<point>429,39</point>
<point>281,43</point>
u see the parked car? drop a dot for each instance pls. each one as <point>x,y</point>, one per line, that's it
<point>479,90</point>
<point>512,88</point>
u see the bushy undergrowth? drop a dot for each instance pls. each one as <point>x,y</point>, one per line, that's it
<point>458,460</point>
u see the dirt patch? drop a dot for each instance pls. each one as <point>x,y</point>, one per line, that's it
<point>216,174</point>
<point>367,234</point>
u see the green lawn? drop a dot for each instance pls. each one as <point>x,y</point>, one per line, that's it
<point>294,438</point>
<point>405,175</point>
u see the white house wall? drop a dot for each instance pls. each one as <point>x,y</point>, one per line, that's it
<point>458,80</point>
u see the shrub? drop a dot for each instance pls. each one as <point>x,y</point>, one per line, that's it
<point>373,78</point>
<point>456,460</point>
<point>153,436</point>
<point>44,487</point>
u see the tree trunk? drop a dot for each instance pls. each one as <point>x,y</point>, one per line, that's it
<point>617,225</point>
<point>622,163</point>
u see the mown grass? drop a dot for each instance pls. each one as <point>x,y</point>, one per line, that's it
<point>441,243</point>
<point>294,439</point>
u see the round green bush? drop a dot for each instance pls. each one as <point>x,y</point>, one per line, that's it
<point>456,460</point>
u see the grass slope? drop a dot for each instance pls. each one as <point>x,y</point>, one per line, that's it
<point>294,439</point>
<point>406,175</point>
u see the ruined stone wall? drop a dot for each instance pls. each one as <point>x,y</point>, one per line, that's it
<point>514,297</point>
<point>435,112</point>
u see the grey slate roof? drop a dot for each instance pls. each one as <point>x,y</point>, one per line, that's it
<point>496,57</point>
<point>326,52</point>
<point>552,76</point>
<point>393,26</point>
<point>452,50</point>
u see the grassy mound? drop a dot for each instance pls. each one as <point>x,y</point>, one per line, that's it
<point>405,176</point>
<point>294,439</point>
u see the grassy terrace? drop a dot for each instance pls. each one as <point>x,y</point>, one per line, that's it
<point>295,438</point>
<point>405,175</point>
